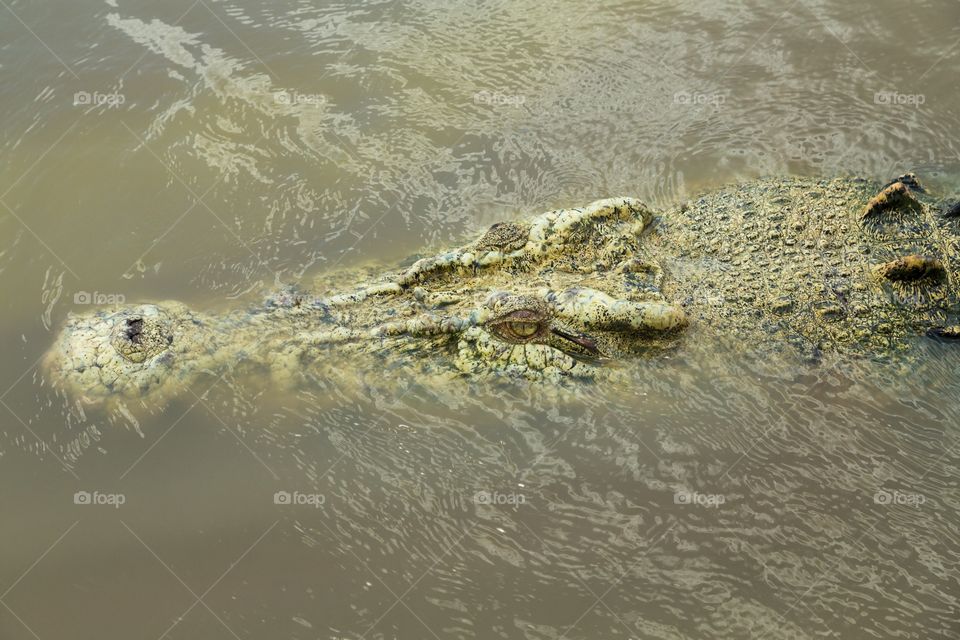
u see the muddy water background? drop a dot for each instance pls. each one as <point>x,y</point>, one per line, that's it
<point>204,151</point>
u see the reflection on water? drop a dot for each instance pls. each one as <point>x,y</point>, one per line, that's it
<point>207,152</point>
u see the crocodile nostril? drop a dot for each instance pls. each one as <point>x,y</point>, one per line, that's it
<point>134,330</point>
<point>139,337</point>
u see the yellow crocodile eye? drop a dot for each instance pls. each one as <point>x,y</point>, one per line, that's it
<point>520,319</point>
<point>524,329</point>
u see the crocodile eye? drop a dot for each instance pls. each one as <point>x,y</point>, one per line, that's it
<point>523,329</point>
<point>520,331</point>
<point>522,325</point>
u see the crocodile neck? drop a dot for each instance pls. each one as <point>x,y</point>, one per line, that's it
<point>791,262</point>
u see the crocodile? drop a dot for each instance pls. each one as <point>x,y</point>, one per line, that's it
<point>802,265</point>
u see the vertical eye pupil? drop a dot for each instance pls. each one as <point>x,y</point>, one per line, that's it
<point>524,329</point>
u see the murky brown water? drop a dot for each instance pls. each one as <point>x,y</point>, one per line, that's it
<point>204,151</point>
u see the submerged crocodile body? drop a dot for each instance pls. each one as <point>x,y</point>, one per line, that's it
<point>807,265</point>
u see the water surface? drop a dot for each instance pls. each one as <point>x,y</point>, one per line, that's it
<point>207,151</point>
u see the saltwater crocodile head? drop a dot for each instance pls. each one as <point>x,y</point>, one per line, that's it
<point>570,293</point>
